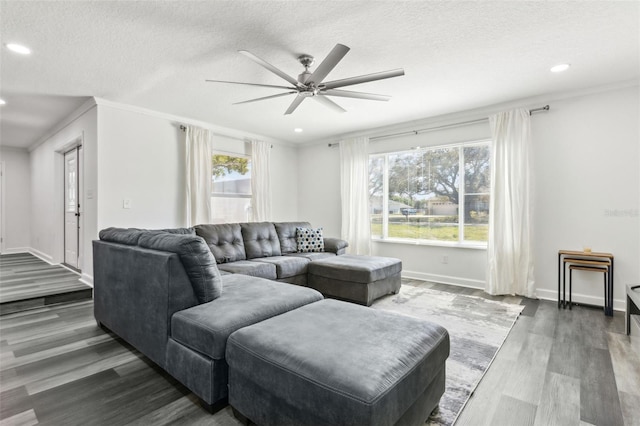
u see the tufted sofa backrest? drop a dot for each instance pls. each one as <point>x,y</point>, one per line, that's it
<point>287,235</point>
<point>224,240</point>
<point>260,239</point>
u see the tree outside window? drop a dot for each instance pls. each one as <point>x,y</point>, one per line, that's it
<point>423,195</point>
<point>231,188</point>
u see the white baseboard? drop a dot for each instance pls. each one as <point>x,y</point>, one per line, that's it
<point>41,255</point>
<point>618,304</point>
<point>86,279</point>
<point>16,250</point>
<point>444,279</point>
<point>544,294</point>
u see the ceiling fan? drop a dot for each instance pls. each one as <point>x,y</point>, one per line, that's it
<point>311,84</point>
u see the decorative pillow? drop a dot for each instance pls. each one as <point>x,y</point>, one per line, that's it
<point>309,240</point>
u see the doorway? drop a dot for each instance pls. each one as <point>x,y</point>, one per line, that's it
<point>72,207</point>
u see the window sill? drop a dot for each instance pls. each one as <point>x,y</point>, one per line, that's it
<point>450,244</point>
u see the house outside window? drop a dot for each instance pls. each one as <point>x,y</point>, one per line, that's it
<point>231,188</point>
<point>431,195</point>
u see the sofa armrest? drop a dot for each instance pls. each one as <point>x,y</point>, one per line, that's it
<point>136,291</point>
<point>335,245</point>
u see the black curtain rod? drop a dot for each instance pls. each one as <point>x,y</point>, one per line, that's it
<point>445,126</point>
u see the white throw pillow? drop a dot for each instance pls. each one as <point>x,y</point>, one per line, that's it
<point>309,240</point>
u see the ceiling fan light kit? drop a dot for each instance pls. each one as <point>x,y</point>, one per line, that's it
<point>311,84</point>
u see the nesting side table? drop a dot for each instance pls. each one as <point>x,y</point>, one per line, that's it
<point>585,261</point>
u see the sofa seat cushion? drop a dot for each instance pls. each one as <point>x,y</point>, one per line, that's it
<point>286,266</point>
<point>356,268</point>
<point>247,267</point>
<point>313,256</point>
<point>333,362</point>
<point>245,301</point>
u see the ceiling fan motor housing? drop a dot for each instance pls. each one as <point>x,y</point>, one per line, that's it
<point>306,61</point>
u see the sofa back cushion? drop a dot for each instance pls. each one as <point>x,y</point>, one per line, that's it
<point>224,241</point>
<point>287,235</point>
<point>130,236</point>
<point>260,240</point>
<point>196,258</point>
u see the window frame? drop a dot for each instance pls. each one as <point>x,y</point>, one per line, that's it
<point>461,242</point>
<point>223,195</point>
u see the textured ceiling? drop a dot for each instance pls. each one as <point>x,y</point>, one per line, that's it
<point>156,55</point>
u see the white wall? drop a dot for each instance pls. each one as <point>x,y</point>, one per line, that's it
<point>587,189</point>
<point>284,183</point>
<point>128,153</point>
<point>319,187</point>
<point>586,164</point>
<point>141,158</point>
<point>16,199</point>
<point>47,174</point>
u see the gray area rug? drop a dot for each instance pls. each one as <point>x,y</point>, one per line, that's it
<point>477,328</point>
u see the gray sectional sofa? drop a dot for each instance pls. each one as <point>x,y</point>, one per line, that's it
<point>177,295</point>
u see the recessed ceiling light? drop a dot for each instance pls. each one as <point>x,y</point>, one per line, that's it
<point>297,130</point>
<point>18,48</point>
<point>2,102</point>
<point>560,67</point>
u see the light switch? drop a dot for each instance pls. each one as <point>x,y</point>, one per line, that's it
<point>126,203</point>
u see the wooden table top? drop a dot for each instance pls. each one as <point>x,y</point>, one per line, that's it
<point>585,254</point>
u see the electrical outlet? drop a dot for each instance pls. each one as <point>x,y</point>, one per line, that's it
<point>445,259</point>
<point>126,203</point>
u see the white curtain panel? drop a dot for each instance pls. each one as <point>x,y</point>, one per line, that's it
<point>510,248</point>
<point>260,181</point>
<point>198,155</point>
<point>354,192</point>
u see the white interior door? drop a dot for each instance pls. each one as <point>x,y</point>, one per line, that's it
<point>71,208</point>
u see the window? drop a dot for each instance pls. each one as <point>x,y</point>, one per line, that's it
<point>231,188</point>
<point>431,194</point>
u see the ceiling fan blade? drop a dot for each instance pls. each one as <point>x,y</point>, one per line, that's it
<point>328,102</point>
<point>358,95</point>
<point>297,101</point>
<point>328,64</point>
<point>266,97</point>
<point>270,67</point>
<point>250,84</point>
<point>361,79</point>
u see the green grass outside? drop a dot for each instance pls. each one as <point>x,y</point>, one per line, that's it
<point>440,233</point>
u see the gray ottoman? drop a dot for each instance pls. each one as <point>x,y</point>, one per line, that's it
<point>336,363</point>
<point>360,279</point>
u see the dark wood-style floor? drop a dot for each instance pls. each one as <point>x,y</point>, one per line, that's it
<point>556,367</point>
<point>27,282</point>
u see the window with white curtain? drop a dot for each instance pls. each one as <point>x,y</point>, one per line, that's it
<point>231,188</point>
<point>432,195</point>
